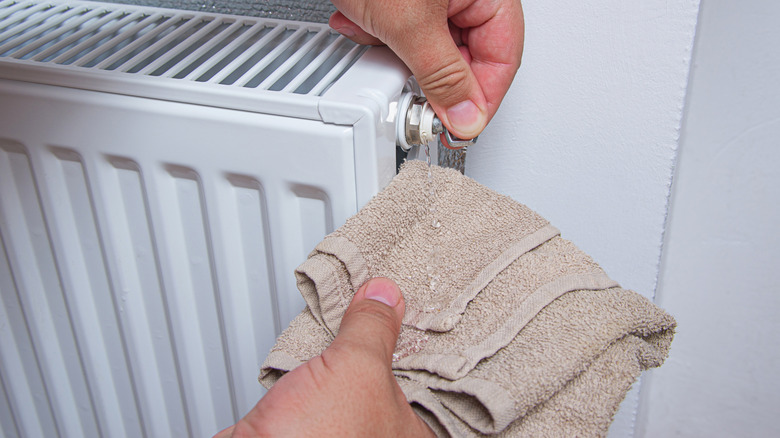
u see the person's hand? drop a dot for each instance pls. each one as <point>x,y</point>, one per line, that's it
<point>464,53</point>
<point>349,390</point>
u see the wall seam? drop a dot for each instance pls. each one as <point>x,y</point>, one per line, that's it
<point>640,416</point>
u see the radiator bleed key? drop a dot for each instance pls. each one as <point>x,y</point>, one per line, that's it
<point>418,124</point>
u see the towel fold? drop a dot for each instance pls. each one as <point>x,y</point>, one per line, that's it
<point>480,233</point>
<point>509,328</point>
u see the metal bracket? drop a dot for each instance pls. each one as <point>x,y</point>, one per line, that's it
<point>452,142</point>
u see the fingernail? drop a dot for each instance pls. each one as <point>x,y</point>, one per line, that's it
<point>346,31</point>
<point>383,291</point>
<point>466,118</point>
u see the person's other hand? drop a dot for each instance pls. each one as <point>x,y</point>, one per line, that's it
<point>349,390</point>
<point>464,53</point>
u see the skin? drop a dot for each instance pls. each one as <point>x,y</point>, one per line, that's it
<point>460,51</point>
<point>464,54</point>
<point>349,390</point>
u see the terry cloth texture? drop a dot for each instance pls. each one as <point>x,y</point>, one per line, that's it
<point>509,329</point>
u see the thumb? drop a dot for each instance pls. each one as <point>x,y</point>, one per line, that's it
<point>446,78</point>
<point>373,320</point>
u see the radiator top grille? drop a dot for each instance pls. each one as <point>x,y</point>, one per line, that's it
<point>291,57</point>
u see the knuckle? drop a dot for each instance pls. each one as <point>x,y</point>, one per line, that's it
<point>382,316</point>
<point>450,82</point>
<point>319,371</point>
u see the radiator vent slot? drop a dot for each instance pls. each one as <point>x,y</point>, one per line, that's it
<point>291,57</point>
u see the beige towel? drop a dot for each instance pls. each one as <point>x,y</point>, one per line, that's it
<point>520,332</point>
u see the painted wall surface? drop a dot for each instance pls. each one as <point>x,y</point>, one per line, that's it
<point>721,265</point>
<point>588,134</point>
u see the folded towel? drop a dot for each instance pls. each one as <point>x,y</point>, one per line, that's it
<point>480,233</point>
<point>517,331</point>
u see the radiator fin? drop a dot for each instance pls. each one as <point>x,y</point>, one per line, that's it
<point>43,301</point>
<point>251,301</point>
<point>290,57</point>
<point>17,359</point>
<point>86,281</point>
<point>194,308</point>
<point>143,308</point>
<point>312,209</point>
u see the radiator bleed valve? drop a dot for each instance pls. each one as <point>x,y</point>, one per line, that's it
<point>417,124</point>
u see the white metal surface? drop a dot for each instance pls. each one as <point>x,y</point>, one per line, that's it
<point>296,57</point>
<point>153,205</point>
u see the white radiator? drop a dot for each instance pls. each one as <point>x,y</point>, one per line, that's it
<point>162,173</point>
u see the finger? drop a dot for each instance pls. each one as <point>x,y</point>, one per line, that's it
<point>373,320</point>
<point>494,38</point>
<point>346,27</point>
<point>456,33</point>
<point>446,78</point>
<point>225,433</point>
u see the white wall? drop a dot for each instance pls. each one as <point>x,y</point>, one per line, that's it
<point>721,264</point>
<point>588,134</point>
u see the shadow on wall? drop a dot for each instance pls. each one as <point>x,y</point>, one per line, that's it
<point>317,11</point>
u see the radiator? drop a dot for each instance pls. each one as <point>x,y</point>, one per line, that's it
<point>162,173</point>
